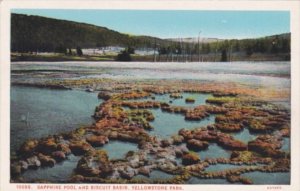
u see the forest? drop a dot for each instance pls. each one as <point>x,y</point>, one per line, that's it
<point>41,34</point>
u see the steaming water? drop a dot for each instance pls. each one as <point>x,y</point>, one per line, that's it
<point>252,73</point>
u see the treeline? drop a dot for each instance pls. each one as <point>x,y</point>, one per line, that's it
<point>41,34</point>
<point>277,44</point>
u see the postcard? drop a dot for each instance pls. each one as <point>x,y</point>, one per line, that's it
<point>149,95</point>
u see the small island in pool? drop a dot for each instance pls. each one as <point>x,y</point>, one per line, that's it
<point>138,136</point>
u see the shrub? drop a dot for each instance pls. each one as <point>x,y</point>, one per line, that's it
<point>79,51</point>
<point>124,56</point>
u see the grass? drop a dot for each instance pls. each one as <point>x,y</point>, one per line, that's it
<point>59,57</point>
<point>220,100</point>
<point>78,82</point>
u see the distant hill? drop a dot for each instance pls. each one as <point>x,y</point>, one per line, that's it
<point>41,34</point>
<point>213,40</point>
<point>195,40</point>
<point>32,33</point>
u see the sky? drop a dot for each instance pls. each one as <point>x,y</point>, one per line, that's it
<point>178,23</point>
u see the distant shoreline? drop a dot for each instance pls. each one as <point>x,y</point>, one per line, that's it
<point>21,57</point>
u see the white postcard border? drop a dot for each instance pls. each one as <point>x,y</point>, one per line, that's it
<point>292,6</point>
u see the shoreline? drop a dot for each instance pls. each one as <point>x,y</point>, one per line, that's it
<point>148,58</point>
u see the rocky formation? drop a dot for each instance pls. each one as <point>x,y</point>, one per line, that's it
<point>176,96</point>
<point>80,147</point>
<point>197,145</point>
<point>97,141</point>
<point>267,145</point>
<point>222,139</point>
<point>236,179</point>
<point>94,163</point>
<point>104,95</point>
<point>123,117</point>
<point>28,147</point>
<point>190,158</point>
<point>189,100</point>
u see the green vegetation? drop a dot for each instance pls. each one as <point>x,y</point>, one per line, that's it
<point>59,57</point>
<point>141,117</point>
<point>277,44</point>
<point>224,56</point>
<point>125,55</point>
<point>40,34</point>
<point>229,50</point>
<point>33,34</point>
<point>79,51</point>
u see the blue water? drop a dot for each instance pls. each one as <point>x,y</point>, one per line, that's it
<point>286,144</point>
<point>167,124</point>
<point>256,177</point>
<point>37,112</point>
<point>268,178</point>
<point>214,151</point>
<point>221,167</point>
<point>244,136</point>
<point>61,172</point>
<point>195,180</point>
<point>118,149</point>
<point>155,174</point>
